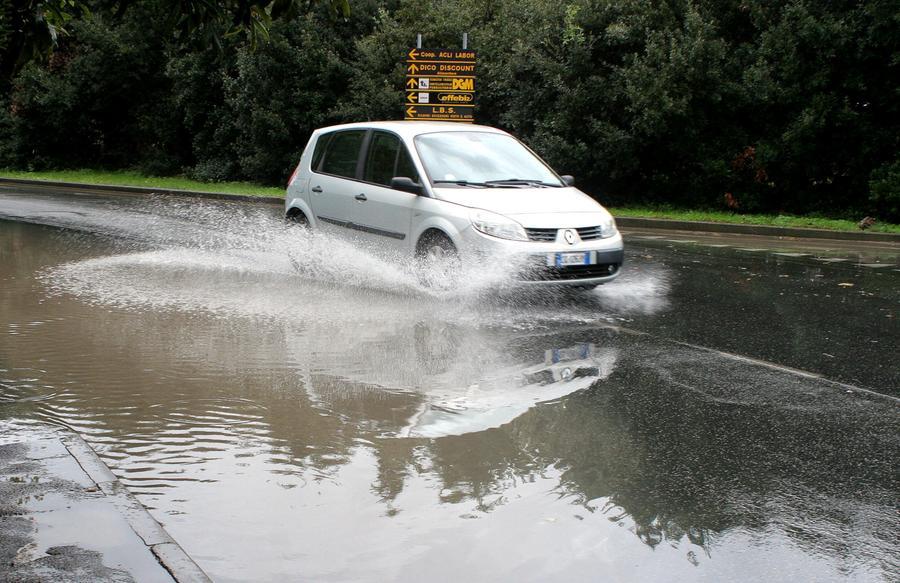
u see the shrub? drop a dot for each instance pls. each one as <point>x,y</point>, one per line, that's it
<point>884,188</point>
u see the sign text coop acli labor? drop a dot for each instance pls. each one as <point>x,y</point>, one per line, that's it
<point>440,85</point>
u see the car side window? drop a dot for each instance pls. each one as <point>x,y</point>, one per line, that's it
<point>405,166</point>
<point>382,158</point>
<point>342,153</point>
<point>388,158</point>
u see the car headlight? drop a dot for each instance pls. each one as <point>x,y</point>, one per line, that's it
<point>608,227</point>
<point>497,225</point>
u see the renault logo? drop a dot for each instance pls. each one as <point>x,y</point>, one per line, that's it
<point>570,236</point>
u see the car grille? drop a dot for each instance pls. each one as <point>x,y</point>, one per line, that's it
<point>541,234</point>
<point>586,234</point>
<point>538,272</point>
<point>590,233</point>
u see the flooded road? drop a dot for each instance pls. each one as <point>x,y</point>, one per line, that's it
<point>292,408</point>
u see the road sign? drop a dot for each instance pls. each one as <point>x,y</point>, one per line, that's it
<point>439,113</point>
<point>440,85</point>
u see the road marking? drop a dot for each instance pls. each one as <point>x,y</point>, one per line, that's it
<point>762,363</point>
<point>752,250</point>
<point>784,254</point>
<point>875,265</point>
<point>830,259</point>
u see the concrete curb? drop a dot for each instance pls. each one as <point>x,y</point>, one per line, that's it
<point>168,552</point>
<point>627,222</point>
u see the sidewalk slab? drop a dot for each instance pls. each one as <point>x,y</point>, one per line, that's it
<point>65,517</point>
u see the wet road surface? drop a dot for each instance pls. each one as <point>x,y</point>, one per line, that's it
<point>725,411</point>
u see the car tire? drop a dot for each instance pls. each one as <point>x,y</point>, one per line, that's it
<point>296,217</point>
<point>438,260</point>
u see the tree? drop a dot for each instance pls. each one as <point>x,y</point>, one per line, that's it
<point>31,28</point>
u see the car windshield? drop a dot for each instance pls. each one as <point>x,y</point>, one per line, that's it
<point>481,159</point>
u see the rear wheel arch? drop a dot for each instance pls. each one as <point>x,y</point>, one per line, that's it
<point>296,215</point>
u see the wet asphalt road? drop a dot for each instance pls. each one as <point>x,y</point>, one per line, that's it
<point>726,410</point>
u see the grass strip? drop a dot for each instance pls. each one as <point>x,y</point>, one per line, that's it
<point>129,178</point>
<point>809,222</point>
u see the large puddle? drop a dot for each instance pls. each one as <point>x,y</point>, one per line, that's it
<point>294,409</point>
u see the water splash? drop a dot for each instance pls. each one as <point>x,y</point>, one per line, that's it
<point>233,259</point>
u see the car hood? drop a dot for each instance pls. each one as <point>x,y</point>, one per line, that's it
<point>529,205</point>
<point>521,201</point>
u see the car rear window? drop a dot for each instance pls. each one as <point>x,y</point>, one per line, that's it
<point>342,153</point>
<point>321,144</point>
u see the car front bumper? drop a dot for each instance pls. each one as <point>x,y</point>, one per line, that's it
<point>530,258</point>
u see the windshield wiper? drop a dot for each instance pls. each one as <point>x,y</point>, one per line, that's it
<point>463,183</point>
<point>520,182</point>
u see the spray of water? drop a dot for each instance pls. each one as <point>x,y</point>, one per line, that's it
<point>239,259</point>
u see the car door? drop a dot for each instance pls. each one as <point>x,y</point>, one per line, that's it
<point>382,214</point>
<point>333,181</point>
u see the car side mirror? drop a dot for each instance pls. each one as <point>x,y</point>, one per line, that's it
<point>568,179</point>
<point>405,184</point>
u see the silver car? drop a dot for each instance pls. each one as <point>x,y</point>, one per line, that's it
<point>450,191</point>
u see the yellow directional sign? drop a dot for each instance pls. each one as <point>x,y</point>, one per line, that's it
<point>440,55</point>
<point>439,113</point>
<point>440,84</point>
<point>440,68</point>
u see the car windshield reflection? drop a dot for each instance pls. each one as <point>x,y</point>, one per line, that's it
<point>481,159</point>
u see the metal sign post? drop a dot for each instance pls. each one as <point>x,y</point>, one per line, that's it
<point>440,83</point>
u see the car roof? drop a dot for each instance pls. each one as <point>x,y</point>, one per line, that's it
<point>411,129</point>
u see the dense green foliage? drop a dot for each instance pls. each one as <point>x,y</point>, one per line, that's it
<point>29,29</point>
<point>745,104</point>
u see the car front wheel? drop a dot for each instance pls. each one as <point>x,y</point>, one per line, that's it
<point>438,259</point>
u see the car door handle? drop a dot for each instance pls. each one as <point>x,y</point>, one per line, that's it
<point>361,197</point>
<point>317,189</point>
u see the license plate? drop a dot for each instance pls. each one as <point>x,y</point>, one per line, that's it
<point>569,259</point>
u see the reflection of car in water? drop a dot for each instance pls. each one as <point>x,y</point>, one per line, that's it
<point>398,370</point>
<point>508,394</point>
<point>557,365</point>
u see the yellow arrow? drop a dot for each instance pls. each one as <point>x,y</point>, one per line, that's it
<point>411,97</point>
<point>413,54</point>
<point>413,68</point>
<point>411,83</point>
<point>410,111</point>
